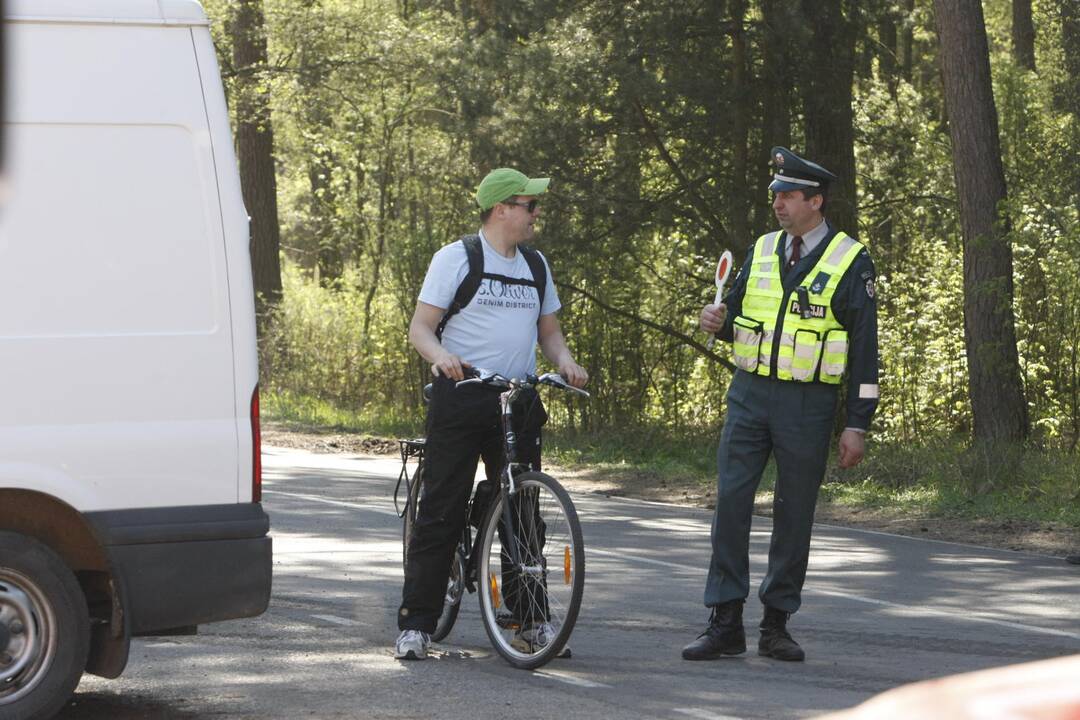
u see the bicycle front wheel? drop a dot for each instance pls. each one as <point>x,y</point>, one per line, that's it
<point>529,608</point>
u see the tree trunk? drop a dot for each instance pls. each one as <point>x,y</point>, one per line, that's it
<point>887,57</point>
<point>318,124</point>
<point>907,42</point>
<point>255,150</point>
<point>828,70</point>
<point>1023,34</point>
<point>1069,88</point>
<point>776,101</point>
<point>738,216</point>
<point>997,394</point>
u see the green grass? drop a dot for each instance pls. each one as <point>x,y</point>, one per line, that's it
<point>941,480</point>
<point>302,412</point>
<point>950,480</point>
<point>654,451</point>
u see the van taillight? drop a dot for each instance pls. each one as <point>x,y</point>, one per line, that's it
<point>256,449</point>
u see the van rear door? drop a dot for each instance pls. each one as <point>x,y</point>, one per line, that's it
<point>117,343</point>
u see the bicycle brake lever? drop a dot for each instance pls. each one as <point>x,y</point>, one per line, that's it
<point>480,376</point>
<point>560,382</point>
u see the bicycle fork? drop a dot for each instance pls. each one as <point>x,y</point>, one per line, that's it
<point>509,489</point>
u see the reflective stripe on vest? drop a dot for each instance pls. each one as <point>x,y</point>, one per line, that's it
<point>807,349</point>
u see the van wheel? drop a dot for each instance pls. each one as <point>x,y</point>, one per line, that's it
<point>44,629</point>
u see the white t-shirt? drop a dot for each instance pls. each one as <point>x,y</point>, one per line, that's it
<point>497,329</point>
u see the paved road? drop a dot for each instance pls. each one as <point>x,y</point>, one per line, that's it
<point>879,611</point>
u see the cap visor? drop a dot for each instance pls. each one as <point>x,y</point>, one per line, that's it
<point>781,186</point>
<point>535,186</point>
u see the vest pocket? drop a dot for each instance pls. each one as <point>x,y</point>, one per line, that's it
<point>834,356</point>
<point>807,354</point>
<point>747,340</point>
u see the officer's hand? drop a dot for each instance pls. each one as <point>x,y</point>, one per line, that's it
<point>712,317</point>
<point>573,373</point>
<point>852,447</point>
<point>449,365</point>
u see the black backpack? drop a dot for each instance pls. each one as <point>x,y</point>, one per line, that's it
<point>469,286</point>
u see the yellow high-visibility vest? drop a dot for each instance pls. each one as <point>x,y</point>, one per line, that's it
<point>806,349</point>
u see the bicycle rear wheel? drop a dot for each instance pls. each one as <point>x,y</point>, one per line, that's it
<point>455,588</point>
<point>529,611</point>
<point>412,504</point>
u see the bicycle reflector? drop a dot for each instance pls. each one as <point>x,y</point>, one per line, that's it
<point>495,601</point>
<point>566,564</point>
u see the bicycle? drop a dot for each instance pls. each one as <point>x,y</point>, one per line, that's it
<point>529,552</point>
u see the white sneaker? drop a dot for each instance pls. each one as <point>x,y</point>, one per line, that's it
<point>412,645</point>
<point>534,639</point>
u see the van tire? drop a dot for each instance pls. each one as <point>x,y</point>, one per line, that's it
<point>44,668</point>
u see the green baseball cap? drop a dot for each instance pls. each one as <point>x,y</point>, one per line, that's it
<point>503,183</point>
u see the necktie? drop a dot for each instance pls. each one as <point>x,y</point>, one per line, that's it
<point>796,247</point>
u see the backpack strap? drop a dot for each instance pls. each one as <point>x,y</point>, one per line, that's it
<point>469,286</point>
<point>539,273</point>
<point>474,251</point>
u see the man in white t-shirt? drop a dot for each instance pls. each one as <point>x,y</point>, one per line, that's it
<point>496,329</point>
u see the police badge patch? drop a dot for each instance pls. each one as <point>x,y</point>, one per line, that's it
<point>820,281</point>
<point>870,289</point>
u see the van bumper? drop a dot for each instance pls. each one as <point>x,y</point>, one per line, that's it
<point>184,566</point>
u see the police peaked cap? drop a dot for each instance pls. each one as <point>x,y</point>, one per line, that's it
<point>794,173</point>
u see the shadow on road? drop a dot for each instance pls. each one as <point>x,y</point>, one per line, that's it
<point>129,706</point>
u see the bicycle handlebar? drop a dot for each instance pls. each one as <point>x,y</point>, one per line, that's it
<point>494,379</point>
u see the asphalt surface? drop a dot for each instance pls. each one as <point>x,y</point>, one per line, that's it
<point>878,611</point>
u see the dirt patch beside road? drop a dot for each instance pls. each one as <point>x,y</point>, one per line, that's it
<point>1046,538</point>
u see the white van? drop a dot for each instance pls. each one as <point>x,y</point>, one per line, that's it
<point>129,433</point>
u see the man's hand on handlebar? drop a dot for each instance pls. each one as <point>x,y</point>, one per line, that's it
<point>573,373</point>
<point>450,366</point>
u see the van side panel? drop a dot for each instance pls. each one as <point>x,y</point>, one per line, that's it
<point>237,234</point>
<point>117,339</point>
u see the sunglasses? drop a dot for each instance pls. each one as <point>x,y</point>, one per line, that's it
<point>529,206</point>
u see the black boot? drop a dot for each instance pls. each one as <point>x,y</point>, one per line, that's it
<point>775,640</point>
<point>724,636</point>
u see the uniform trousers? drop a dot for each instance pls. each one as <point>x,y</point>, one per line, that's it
<point>793,422</point>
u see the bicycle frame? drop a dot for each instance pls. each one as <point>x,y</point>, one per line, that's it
<point>522,536</point>
<point>510,466</point>
<point>506,401</point>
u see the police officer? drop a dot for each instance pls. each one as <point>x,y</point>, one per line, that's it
<point>802,318</point>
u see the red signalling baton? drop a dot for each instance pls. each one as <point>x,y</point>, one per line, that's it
<point>723,269</point>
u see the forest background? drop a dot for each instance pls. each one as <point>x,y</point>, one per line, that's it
<point>363,127</point>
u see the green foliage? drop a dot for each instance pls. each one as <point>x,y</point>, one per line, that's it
<point>317,347</point>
